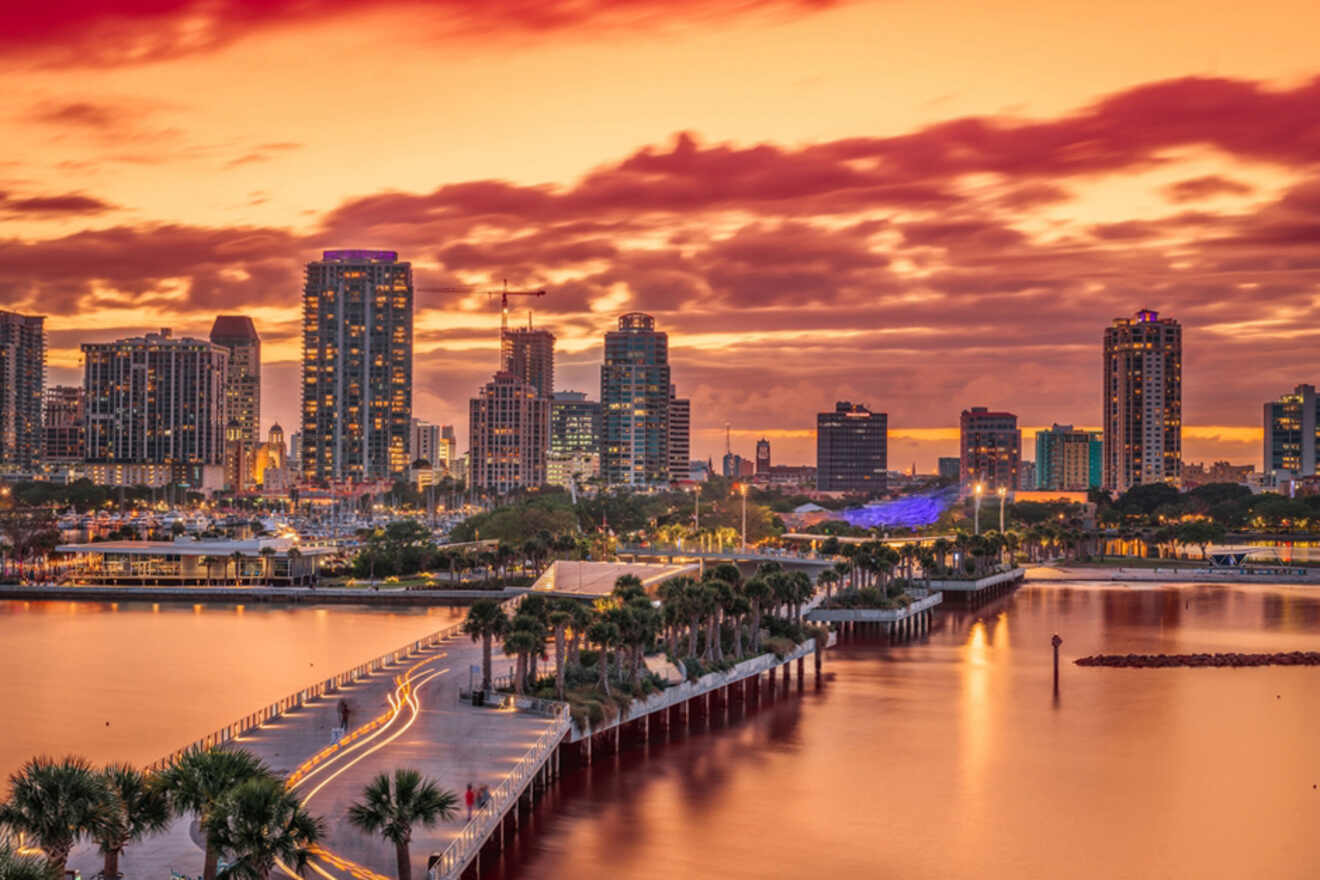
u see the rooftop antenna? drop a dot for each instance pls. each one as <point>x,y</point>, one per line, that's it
<point>728,446</point>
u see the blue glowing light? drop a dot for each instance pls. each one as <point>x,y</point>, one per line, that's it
<point>911,512</point>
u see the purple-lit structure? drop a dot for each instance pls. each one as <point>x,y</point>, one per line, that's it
<point>911,512</point>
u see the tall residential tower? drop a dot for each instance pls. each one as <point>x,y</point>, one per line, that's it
<point>237,335</point>
<point>991,449</point>
<point>357,366</point>
<point>634,399</point>
<point>852,449</point>
<point>1143,401</point>
<point>1292,429</point>
<point>22,384</point>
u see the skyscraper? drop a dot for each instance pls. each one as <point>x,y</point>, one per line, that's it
<point>634,399</point>
<point>530,355</point>
<point>1292,429</point>
<point>991,449</point>
<point>63,424</point>
<point>22,384</point>
<point>1143,401</point>
<point>574,439</point>
<point>852,449</point>
<point>1064,457</point>
<point>424,443</point>
<point>680,436</point>
<point>509,425</point>
<point>237,335</point>
<point>156,400</point>
<point>357,366</point>
<point>763,456</point>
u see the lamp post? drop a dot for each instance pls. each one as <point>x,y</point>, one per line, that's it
<point>1002,492</point>
<point>743,488</point>
<point>696,508</point>
<point>978,491</point>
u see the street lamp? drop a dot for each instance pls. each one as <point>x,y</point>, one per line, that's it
<point>978,491</point>
<point>743,488</point>
<point>1002,492</point>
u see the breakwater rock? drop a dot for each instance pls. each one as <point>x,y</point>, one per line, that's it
<point>1146,661</point>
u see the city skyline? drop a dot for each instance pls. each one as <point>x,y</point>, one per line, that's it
<point>785,240</point>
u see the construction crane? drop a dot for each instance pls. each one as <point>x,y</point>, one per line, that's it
<point>504,294</point>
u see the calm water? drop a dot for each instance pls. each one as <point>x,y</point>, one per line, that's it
<point>950,758</point>
<point>134,681</point>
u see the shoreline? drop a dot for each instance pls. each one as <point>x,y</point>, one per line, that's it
<point>1044,574</point>
<point>287,595</point>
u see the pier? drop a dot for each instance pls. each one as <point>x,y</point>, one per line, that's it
<point>982,590</point>
<point>899,624</point>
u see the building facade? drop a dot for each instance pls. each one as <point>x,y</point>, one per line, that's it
<point>1067,459</point>
<point>22,386</point>
<point>1291,431</point>
<point>64,425</point>
<point>237,335</point>
<point>680,436</point>
<point>1143,401</point>
<point>510,425</point>
<point>634,399</point>
<point>949,468</point>
<point>852,450</point>
<point>575,426</point>
<point>990,449</point>
<point>424,443</point>
<point>357,366</point>
<point>763,456</point>
<point>530,355</point>
<point>156,400</point>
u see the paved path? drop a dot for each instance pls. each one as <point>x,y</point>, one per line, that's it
<point>433,733</point>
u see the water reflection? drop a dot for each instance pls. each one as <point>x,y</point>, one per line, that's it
<point>948,758</point>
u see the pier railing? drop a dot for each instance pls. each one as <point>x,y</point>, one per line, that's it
<point>460,852</point>
<point>299,698</point>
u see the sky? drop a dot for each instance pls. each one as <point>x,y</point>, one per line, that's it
<point>920,206</point>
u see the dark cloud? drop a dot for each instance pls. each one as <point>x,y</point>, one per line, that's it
<point>1197,188</point>
<point>89,32</point>
<point>68,204</point>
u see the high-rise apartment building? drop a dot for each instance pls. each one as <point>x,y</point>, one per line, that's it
<point>22,385</point>
<point>357,366</point>
<point>1143,401</point>
<point>1026,476</point>
<point>237,335</point>
<point>574,455</point>
<point>1292,428</point>
<point>424,443</point>
<point>763,456</point>
<point>447,451</point>
<point>634,399</point>
<point>510,424</point>
<point>949,467</point>
<point>64,425</point>
<point>991,449</point>
<point>530,355</point>
<point>852,449</point>
<point>680,436</point>
<point>1067,459</point>
<point>155,400</point>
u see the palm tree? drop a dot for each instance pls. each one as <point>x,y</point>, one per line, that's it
<point>827,579</point>
<point>15,865</point>
<point>522,642</point>
<point>485,621</point>
<point>392,810</point>
<point>268,557</point>
<point>559,619</point>
<point>210,562</point>
<point>604,635</point>
<point>200,779</point>
<point>237,556</point>
<point>758,591</point>
<point>137,808</point>
<point>294,555</point>
<point>56,803</point>
<point>260,823</point>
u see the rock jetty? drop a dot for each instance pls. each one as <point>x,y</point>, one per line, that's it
<point>1146,661</point>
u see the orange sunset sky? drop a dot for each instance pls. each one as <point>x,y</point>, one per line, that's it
<point>919,205</point>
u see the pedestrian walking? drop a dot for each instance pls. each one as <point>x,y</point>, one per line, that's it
<point>483,797</point>
<point>469,798</point>
<point>343,714</point>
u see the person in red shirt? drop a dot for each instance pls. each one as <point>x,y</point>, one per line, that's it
<point>469,797</point>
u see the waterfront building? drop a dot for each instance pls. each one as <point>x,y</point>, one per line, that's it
<point>237,335</point>
<point>949,468</point>
<point>357,366</point>
<point>510,424</point>
<point>680,436</point>
<point>1291,431</point>
<point>991,449</point>
<point>575,425</point>
<point>64,425</point>
<point>157,400</point>
<point>22,385</point>
<point>1026,476</point>
<point>1067,459</point>
<point>424,443</point>
<point>1143,401</point>
<point>763,456</point>
<point>634,398</point>
<point>186,562</point>
<point>530,355</point>
<point>852,449</point>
